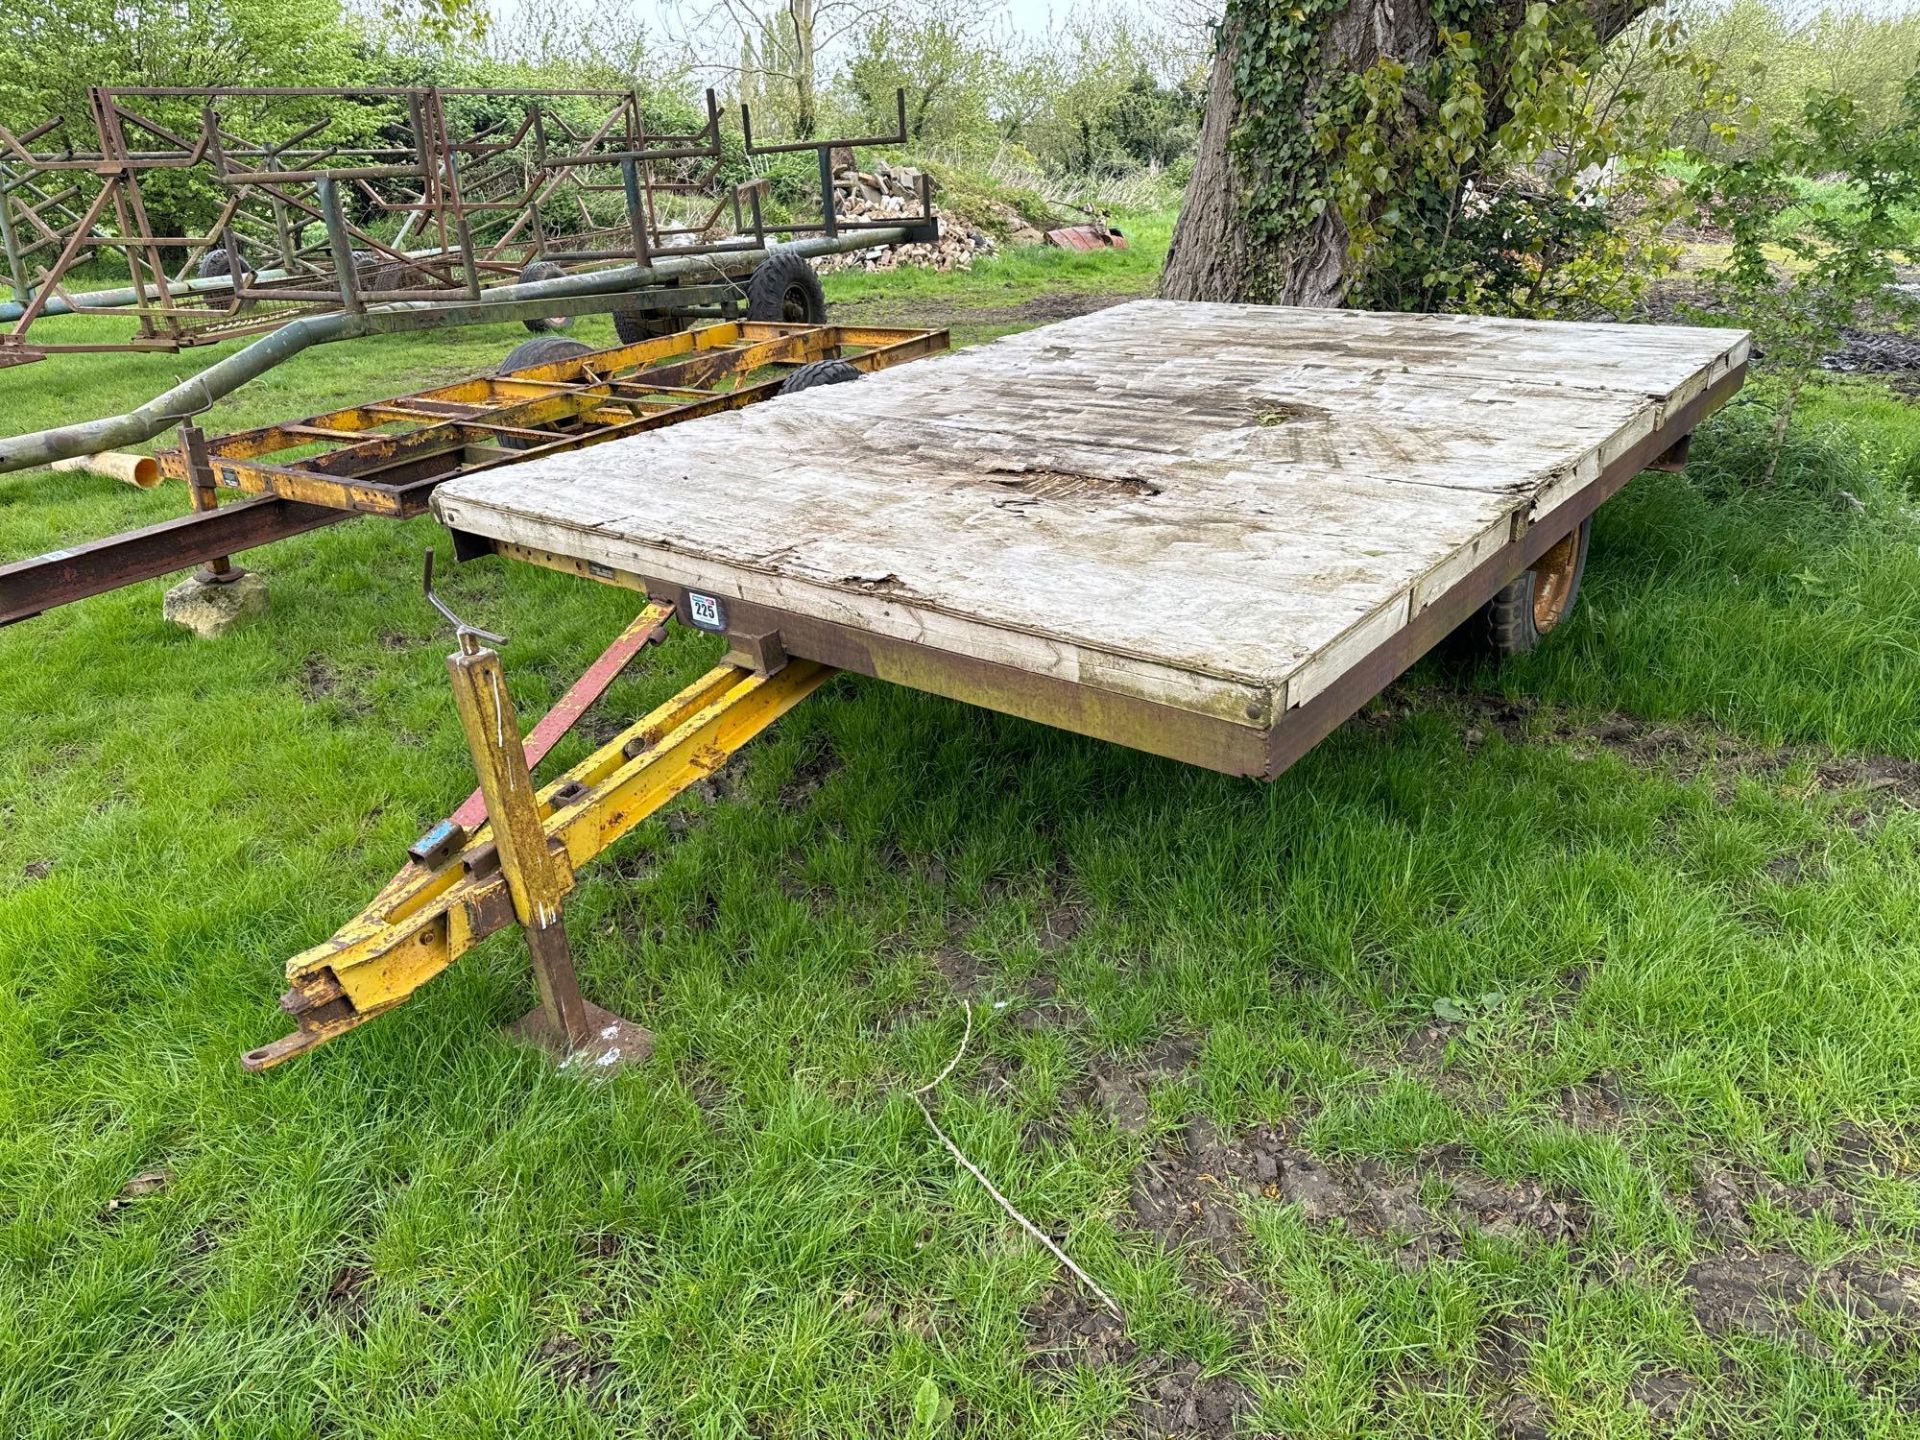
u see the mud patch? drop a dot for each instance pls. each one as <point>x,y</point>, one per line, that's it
<point>1685,751</point>
<point>598,1250</point>
<point>1188,1193</point>
<point>1877,352</point>
<point>1758,1292</point>
<point>820,762</point>
<point>1062,921</point>
<point>1596,1103</point>
<point>1065,1330</point>
<point>1725,1196</point>
<point>347,1299</point>
<point>1663,1394</point>
<point>322,683</point>
<point>575,1364</point>
<point>1189,1403</point>
<point>1121,1085</point>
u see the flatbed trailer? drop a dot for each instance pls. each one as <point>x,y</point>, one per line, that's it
<point>386,457</point>
<point>1212,532</point>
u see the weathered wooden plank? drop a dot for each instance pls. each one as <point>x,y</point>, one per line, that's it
<point>1218,508</point>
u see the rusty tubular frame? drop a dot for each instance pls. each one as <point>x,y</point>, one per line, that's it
<point>386,457</point>
<point>468,206</point>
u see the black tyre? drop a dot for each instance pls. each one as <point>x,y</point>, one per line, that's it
<point>819,372</point>
<point>543,351</point>
<point>785,289</point>
<point>215,264</point>
<point>633,326</point>
<point>1532,606</point>
<point>545,270</point>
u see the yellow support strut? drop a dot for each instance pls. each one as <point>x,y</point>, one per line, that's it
<point>520,870</point>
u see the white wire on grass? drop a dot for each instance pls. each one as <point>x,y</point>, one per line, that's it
<point>986,1184</point>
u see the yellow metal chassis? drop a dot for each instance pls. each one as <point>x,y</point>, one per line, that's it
<point>429,916</point>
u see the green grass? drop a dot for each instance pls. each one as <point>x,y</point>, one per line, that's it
<point>1653,861</point>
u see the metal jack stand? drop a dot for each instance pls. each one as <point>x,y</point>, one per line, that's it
<point>537,872</point>
<point>466,879</point>
<point>203,494</point>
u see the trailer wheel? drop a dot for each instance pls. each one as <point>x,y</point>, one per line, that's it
<point>545,270</point>
<point>543,351</point>
<point>214,265</point>
<point>1533,605</point>
<point>785,289</point>
<point>817,373</point>
<point>633,326</point>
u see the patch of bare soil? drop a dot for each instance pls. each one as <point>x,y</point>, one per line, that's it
<point>1685,751</point>
<point>1862,351</point>
<point>819,763</point>
<point>1758,1292</point>
<point>576,1364</point>
<point>347,1298</point>
<point>1178,1398</point>
<point>1121,1084</point>
<point>1188,1191</point>
<point>1187,1402</point>
<point>1065,1330</point>
<point>1877,352</point>
<point>321,681</point>
<point>1663,1393</point>
<point>1596,1103</point>
<point>1725,1196</point>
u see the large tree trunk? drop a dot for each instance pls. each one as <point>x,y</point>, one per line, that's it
<point>1212,256</point>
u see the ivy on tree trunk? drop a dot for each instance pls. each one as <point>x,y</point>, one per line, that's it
<point>1265,217</point>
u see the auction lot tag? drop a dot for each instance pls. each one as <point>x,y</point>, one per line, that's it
<point>705,612</point>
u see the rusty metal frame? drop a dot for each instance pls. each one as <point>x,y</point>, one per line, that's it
<point>469,207</point>
<point>385,458</point>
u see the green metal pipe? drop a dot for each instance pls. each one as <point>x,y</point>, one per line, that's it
<point>568,295</point>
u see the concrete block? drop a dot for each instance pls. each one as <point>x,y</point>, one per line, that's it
<point>212,610</point>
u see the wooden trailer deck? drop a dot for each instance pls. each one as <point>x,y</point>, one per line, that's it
<point>1207,531</point>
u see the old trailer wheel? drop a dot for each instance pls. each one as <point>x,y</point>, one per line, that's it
<point>543,351</point>
<point>1533,605</point>
<point>633,326</point>
<point>785,289</point>
<point>544,270</point>
<point>215,264</point>
<point>819,372</point>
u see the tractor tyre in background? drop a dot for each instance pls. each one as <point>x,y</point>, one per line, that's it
<point>817,373</point>
<point>545,270</point>
<point>784,289</point>
<point>543,351</point>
